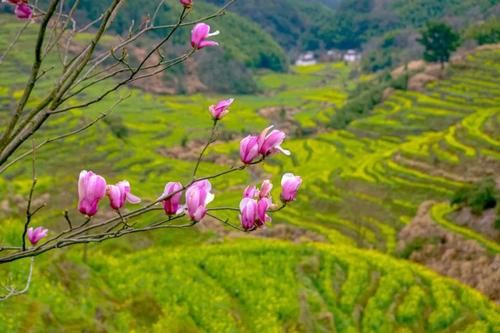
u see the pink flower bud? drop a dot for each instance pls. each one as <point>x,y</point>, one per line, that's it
<point>186,3</point>
<point>23,11</point>
<point>173,203</point>
<point>120,193</point>
<point>265,189</point>
<point>91,189</point>
<point>289,187</point>
<point>220,109</point>
<point>248,213</point>
<point>200,34</point>
<point>249,149</point>
<point>198,196</point>
<point>250,192</point>
<point>270,143</point>
<point>35,235</point>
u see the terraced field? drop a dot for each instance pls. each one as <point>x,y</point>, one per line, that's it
<point>415,147</point>
<point>362,185</point>
<point>223,288</point>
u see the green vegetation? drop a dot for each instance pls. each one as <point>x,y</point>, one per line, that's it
<point>487,32</point>
<point>365,97</point>
<point>439,41</point>
<point>479,197</point>
<point>439,213</point>
<point>355,22</point>
<point>292,23</point>
<point>222,288</point>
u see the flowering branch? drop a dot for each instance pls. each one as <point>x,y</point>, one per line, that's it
<point>85,70</point>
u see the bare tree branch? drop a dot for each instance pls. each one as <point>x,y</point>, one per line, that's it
<point>34,73</point>
<point>63,136</point>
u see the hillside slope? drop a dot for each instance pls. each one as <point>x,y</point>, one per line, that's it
<point>292,23</point>
<point>355,22</point>
<point>224,288</point>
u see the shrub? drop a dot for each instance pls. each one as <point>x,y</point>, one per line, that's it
<point>478,197</point>
<point>365,97</point>
<point>485,33</point>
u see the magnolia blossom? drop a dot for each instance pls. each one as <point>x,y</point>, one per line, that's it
<point>200,34</point>
<point>220,109</point>
<point>289,187</point>
<point>248,213</point>
<point>253,213</point>
<point>263,206</point>
<point>270,142</point>
<point>91,189</point>
<point>250,192</point>
<point>198,196</point>
<point>172,204</point>
<point>35,235</point>
<point>120,193</point>
<point>23,11</point>
<point>249,149</point>
<point>186,3</point>
<point>265,189</point>
<point>255,205</point>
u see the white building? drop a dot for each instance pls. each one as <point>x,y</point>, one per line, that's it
<point>306,59</point>
<point>352,56</point>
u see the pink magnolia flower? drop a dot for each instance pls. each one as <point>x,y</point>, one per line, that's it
<point>263,206</point>
<point>249,149</point>
<point>23,11</point>
<point>250,192</point>
<point>200,34</point>
<point>248,213</point>
<point>265,189</point>
<point>270,143</point>
<point>220,109</point>
<point>173,203</point>
<point>198,196</point>
<point>186,3</point>
<point>253,213</point>
<point>35,235</point>
<point>91,189</point>
<point>289,187</point>
<point>120,193</point>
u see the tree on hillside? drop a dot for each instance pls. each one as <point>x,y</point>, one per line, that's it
<point>439,40</point>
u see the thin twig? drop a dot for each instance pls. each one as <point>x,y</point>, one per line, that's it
<point>13,292</point>
<point>29,214</point>
<point>209,142</point>
<point>68,220</point>
<point>14,41</point>
<point>226,222</point>
<point>64,136</point>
